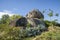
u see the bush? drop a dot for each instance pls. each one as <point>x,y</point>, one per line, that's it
<point>52,34</point>
<point>16,33</point>
<point>9,33</point>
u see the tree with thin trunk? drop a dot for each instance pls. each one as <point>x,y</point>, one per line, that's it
<point>50,15</point>
<point>56,16</point>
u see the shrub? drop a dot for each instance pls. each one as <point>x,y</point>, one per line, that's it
<point>52,34</point>
<point>9,33</point>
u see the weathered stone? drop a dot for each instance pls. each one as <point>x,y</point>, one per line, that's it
<point>35,22</point>
<point>32,18</point>
<point>35,14</point>
<point>13,23</point>
<point>22,22</point>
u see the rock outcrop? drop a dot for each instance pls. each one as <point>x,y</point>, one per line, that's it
<point>34,21</point>
<point>35,14</point>
<point>22,22</point>
<point>32,18</point>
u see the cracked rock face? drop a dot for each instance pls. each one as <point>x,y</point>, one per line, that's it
<point>35,14</point>
<point>35,22</point>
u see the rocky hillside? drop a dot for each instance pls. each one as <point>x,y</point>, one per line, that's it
<point>31,27</point>
<point>32,18</point>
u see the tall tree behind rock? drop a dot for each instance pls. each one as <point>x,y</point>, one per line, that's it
<point>50,13</point>
<point>57,15</point>
<point>14,17</point>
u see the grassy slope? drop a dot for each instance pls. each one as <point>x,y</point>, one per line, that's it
<point>12,33</point>
<point>52,34</point>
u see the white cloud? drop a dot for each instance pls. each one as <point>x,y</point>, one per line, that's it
<point>6,12</point>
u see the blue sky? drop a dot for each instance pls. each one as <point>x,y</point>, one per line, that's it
<point>22,7</point>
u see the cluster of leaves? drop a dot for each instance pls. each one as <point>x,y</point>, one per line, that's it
<point>53,23</point>
<point>28,24</point>
<point>6,18</point>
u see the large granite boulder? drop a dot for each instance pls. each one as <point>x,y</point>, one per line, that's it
<point>36,22</point>
<point>21,22</point>
<point>33,18</point>
<point>35,14</point>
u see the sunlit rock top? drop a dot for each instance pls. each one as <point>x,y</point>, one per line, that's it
<point>35,13</point>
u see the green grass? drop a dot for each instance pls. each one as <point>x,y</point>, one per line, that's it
<point>13,33</point>
<point>52,34</point>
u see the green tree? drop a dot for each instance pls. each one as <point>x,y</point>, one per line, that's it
<point>57,14</point>
<point>5,19</point>
<point>44,11</point>
<point>15,17</point>
<point>50,13</point>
